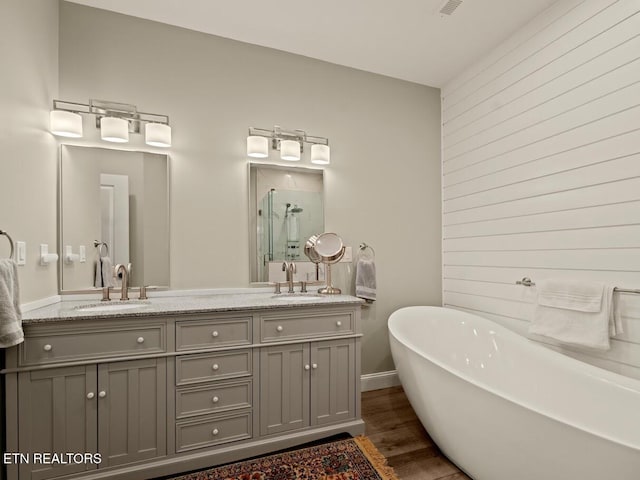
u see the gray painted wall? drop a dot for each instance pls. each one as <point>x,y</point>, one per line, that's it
<point>28,162</point>
<point>383,186</point>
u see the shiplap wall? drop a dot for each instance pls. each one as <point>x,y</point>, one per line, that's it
<point>541,168</point>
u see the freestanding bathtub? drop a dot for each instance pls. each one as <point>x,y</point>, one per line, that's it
<point>503,407</point>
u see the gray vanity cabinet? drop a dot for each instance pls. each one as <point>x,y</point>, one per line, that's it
<point>284,388</point>
<point>311,383</point>
<point>159,394</point>
<point>116,409</point>
<point>333,381</point>
<point>57,415</point>
<point>132,411</point>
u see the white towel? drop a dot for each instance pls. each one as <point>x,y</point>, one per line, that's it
<point>575,313</point>
<point>10,315</point>
<point>366,279</point>
<point>104,273</point>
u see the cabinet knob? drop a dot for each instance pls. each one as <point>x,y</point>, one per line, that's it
<point>47,348</point>
<point>214,333</point>
<point>102,394</point>
<point>279,328</point>
<point>140,340</point>
<point>314,366</point>
<point>339,323</point>
<point>90,395</point>
<point>307,367</point>
<point>215,399</point>
<point>215,431</point>
<point>215,366</point>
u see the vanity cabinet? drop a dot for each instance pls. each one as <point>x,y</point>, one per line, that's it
<point>115,409</point>
<point>163,393</point>
<point>56,415</point>
<point>306,385</point>
<point>214,391</point>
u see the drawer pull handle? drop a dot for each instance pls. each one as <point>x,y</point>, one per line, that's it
<point>47,348</point>
<point>314,366</point>
<point>216,366</point>
<point>102,394</point>
<point>279,328</point>
<point>90,395</point>
<point>307,367</point>
<point>215,333</point>
<point>140,340</point>
<point>339,323</point>
<point>215,399</point>
<point>215,431</point>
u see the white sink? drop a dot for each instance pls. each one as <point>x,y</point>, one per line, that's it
<point>110,307</point>
<point>301,297</point>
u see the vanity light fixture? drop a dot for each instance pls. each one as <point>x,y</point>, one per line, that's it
<point>257,147</point>
<point>65,124</point>
<point>290,150</point>
<point>320,154</point>
<point>289,142</point>
<point>114,129</point>
<point>157,135</point>
<point>115,121</point>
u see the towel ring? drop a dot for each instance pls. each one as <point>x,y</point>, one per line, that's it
<point>364,246</point>
<point>98,244</point>
<point>2,232</point>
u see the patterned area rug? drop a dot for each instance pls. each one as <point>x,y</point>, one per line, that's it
<point>349,459</point>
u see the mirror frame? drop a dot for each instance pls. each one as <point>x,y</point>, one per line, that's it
<point>59,216</point>
<point>251,226</point>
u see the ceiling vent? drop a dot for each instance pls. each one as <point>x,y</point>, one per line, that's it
<point>450,6</point>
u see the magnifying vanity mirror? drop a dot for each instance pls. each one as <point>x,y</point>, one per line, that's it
<point>286,208</point>
<point>115,203</point>
<point>328,249</point>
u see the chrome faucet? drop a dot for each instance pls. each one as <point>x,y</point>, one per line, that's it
<point>124,289</point>
<point>290,269</point>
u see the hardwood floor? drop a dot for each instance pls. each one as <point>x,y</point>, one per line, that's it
<point>395,430</point>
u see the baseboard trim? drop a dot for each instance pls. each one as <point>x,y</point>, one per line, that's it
<point>377,381</point>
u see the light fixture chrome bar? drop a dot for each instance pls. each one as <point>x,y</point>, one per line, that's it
<point>102,108</point>
<point>276,134</point>
<point>110,118</point>
<point>290,143</point>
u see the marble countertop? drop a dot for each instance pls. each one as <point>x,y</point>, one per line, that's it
<point>92,309</point>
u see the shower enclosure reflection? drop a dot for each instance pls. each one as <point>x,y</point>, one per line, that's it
<point>287,208</point>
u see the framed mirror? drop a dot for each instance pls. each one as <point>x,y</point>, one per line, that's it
<point>115,204</point>
<point>286,207</point>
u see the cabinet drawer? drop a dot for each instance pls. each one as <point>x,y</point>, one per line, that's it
<point>212,431</point>
<point>212,366</point>
<point>194,334</point>
<point>283,327</point>
<point>95,343</point>
<point>213,398</point>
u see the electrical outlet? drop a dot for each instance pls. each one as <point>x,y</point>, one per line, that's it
<point>83,253</point>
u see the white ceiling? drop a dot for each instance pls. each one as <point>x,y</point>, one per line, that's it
<point>406,39</point>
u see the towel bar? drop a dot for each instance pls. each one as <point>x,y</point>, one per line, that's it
<point>2,232</point>
<point>527,282</point>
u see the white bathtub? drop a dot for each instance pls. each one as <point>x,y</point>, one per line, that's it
<point>503,407</point>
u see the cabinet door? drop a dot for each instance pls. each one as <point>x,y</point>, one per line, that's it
<point>132,411</point>
<point>284,388</point>
<point>333,381</point>
<point>57,414</point>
